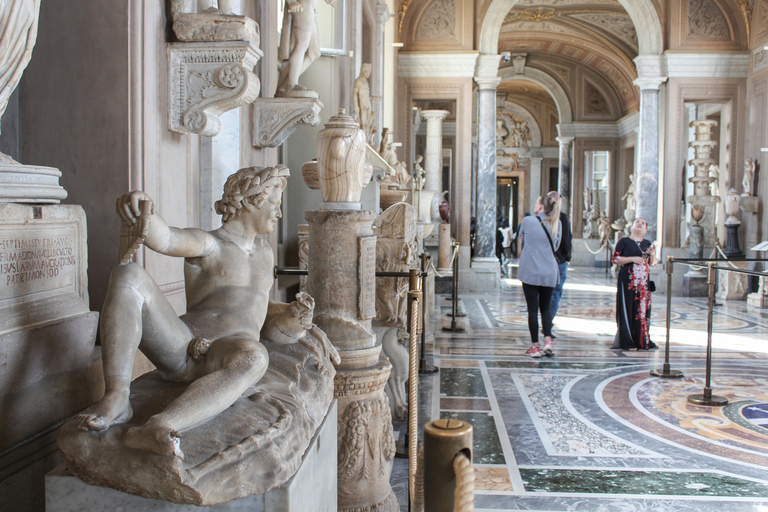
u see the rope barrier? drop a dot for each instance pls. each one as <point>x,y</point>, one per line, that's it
<point>603,245</point>
<point>464,497</point>
<point>417,504</point>
<point>414,296</point>
<point>453,256</point>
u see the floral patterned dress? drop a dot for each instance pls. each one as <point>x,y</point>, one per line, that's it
<point>633,297</point>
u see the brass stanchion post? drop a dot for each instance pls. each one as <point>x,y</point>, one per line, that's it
<point>707,398</point>
<point>444,440</point>
<point>665,371</point>
<point>423,366</point>
<point>415,296</point>
<point>455,293</point>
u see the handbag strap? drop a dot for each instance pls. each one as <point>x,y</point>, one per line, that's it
<point>549,237</point>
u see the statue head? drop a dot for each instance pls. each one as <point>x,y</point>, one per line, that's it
<point>365,70</point>
<point>249,185</point>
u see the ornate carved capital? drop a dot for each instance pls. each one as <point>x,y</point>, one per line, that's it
<point>208,79</point>
<point>275,119</point>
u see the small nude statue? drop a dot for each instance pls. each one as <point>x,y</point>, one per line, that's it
<point>501,132</point>
<point>419,174</point>
<point>714,173</point>
<point>361,96</point>
<point>749,173</point>
<point>299,46</point>
<point>215,345</point>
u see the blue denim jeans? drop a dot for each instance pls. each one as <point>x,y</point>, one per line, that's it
<point>563,267</point>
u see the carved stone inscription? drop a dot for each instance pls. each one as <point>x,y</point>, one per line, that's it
<point>33,261</point>
<point>367,269</point>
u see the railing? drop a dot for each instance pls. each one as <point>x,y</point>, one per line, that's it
<point>706,397</point>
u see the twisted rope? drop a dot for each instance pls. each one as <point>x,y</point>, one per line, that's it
<point>464,497</point>
<point>413,398</point>
<point>417,503</point>
<point>450,265</point>
<point>603,245</point>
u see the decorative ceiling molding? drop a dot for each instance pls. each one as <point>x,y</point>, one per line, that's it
<point>413,65</point>
<point>707,65</point>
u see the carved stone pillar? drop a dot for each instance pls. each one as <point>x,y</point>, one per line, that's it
<point>535,176</point>
<point>485,227</point>
<point>342,279</point>
<point>564,181</point>
<point>647,184</point>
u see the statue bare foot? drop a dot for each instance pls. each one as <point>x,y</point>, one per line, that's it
<point>114,407</point>
<point>155,438</point>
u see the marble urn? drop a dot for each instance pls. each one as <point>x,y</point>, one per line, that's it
<point>340,169</point>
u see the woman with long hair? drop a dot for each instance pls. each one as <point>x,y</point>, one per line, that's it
<point>538,270</point>
<point>633,293</point>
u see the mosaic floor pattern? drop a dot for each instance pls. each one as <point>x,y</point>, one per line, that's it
<point>590,429</point>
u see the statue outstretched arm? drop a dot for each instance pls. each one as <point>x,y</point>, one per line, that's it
<point>160,237</point>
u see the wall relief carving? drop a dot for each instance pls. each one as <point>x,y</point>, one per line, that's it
<point>596,103</point>
<point>365,434</point>
<point>512,131</point>
<point>706,20</point>
<point>439,20</point>
<point>619,25</point>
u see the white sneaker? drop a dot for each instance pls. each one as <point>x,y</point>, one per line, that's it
<point>548,350</point>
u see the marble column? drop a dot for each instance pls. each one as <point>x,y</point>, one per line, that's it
<point>647,184</point>
<point>433,154</point>
<point>485,230</point>
<point>564,181</point>
<point>535,177</point>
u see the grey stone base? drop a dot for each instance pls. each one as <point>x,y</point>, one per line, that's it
<point>695,286</point>
<point>313,487</point>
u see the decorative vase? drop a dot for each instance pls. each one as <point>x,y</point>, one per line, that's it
<point>341,160</point>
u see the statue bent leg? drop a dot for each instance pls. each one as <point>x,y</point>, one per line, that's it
<point>230,367</point>
<point>136,315</point>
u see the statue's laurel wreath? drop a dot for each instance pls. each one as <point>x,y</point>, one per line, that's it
<point>249,184</point>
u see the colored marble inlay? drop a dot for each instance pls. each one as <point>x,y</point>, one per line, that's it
<point>757,414</point>
<point>561,431</point>
<point>485,439</point>
<point>553,365</point>
<point>466,382</point>
<point>464,404</point>
<point>655,483</point>
<point>492,479</point>
<point>458,363</point>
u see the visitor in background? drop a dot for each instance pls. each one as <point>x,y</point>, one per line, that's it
<point>539,236</point>
<point>633,292</point>
<point>562,255</point>
<point>506,245</point>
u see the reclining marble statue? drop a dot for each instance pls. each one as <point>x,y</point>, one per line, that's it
<point>219,351</point>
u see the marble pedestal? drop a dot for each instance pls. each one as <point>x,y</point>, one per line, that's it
<point>30,184</point>
<point>695,286</point>
<point>311,488</point>
<point>709,205</point>
<point>732,285</point>
<point>342,270</point>
<point>759,299</point>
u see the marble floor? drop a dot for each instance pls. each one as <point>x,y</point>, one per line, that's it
<point>590,429</point>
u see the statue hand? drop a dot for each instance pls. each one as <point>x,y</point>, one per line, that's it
<point>291,321</point>
<point>295,7</point>
<point>127,205</point>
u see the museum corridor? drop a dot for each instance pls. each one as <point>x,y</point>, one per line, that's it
<point>589,429</point>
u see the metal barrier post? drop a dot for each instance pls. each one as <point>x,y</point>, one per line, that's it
<point>455,294</point>
<point>415,297</point>
<point>666,372</point>
<point>446,440</point>
<point>423,366</point>
<point>707,398</point>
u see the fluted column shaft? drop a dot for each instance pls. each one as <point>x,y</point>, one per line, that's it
<point>433,154</point>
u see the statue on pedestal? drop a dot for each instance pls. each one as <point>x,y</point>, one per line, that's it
<point>181,429</point>
<point>299,46</point>
<point>361,96</point>
<point>749,173</point>
<point>215,345</point>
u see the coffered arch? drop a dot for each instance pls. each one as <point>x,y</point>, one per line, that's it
<point>642,13</point>
<point>552,86</point>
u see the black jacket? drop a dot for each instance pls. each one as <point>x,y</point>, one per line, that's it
<point>563,253</point>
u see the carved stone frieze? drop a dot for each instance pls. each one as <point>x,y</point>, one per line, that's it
<point>596,103</point>
<point>208,79</point>
<point>439,20</point>
<point>275,119</point>
<point>365,434</point>
<point>759,60</point>
<point>705,19</point>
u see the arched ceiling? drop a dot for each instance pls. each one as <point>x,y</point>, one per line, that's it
<point>596,36</point>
